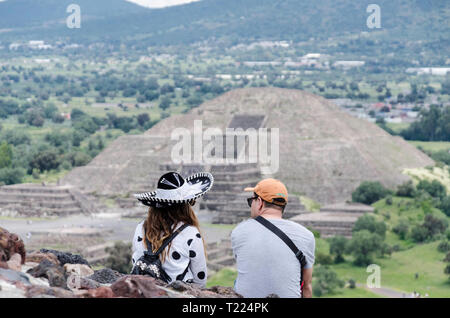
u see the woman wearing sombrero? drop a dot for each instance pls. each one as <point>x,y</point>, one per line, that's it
<point>171,231</point>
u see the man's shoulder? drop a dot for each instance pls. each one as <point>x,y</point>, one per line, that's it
<point>296,227</point>
<point>246,223</point>
<point>243,227</point>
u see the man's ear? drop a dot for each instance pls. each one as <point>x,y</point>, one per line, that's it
<point>260,204</point>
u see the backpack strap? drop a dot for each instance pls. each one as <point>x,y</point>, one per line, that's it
<point>170,238</point>
<point>298,254</point>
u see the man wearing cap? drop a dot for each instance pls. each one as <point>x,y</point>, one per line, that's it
<point>266,262</point>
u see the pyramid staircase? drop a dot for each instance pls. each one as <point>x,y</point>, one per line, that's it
<point>333,220</point>
<point>43,200</point>
<point>219,256</point>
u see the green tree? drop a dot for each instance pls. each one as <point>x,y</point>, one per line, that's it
<point>326,281</point>
<point>401,229</point>
<point>433,188</point>
<point>165,103</point>
<point>406,189</point>
<point>143,119</point>
<point>11,175</point>
<point>445,205</point>
<point>364,245</point>
<point>78,158</point>
<point>45,160</point>
<point>369,223</point>
<point>338,246</point>
<point>5,155</point>
<point>369,192</point>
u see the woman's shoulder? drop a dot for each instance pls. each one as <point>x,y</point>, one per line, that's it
<point>139,228</point>
<point>189,230</point>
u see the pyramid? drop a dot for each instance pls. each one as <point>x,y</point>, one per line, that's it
<point>324,153</point>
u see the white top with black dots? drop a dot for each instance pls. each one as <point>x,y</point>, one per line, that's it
<point>186,252</point>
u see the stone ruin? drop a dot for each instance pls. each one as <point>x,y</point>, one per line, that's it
<point>40,200</point>
<point>334,219</point>
<point>324,152</point>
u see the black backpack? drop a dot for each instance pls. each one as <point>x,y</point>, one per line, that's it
<point>150,264</point>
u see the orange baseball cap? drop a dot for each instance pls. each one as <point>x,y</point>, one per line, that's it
<point>271,190</point>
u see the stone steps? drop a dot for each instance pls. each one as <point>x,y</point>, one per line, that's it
<point>333,231</point>
<point>8,195</point>
<point>224,168</point>
<point>342,225</point>
<point>219,253</point>
<point>39,189</point>
<point>42,204</point>
<point>44,200</point>
<point>220,218</point>
<point>237,176</point>
<point>97,254</point>
<point>220,263</point>
<point>234,186</point>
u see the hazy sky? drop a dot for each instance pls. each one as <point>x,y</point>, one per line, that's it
<point>160,3</point>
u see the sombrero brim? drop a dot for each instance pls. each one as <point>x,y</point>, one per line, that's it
<point>193,188</point>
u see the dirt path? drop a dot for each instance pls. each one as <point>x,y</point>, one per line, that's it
<point>385,292</point>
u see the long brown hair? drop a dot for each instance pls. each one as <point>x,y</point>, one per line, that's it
<point>160,223</point>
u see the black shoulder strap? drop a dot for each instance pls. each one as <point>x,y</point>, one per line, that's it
<point>170,238</point>
<point>298,254</point>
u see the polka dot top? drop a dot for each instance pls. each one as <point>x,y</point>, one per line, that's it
<point>186,255</point>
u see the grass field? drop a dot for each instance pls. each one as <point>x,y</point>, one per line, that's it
<point>227,276</point>
<point>432,146</point>
<point>398,271</point>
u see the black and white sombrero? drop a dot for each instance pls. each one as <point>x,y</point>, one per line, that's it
<point>173,189</point>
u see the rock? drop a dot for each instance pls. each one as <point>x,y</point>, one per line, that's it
<point>81,283</point>
<point>197,291</point>
<point>106,276</point>
<point>48,292</point>
<point>78,269</point>
<point>37,257</point>
<point>28,265</point>
<point>101,292</point>
<point>10,244</point>
<point>66,258</point>
<point>179,286</point>
<point>136,286</point>
<point>14,277</point>
<point>54,273</point>
<point>9,290</point>
<point>15,262</point>
<point>224,292</point>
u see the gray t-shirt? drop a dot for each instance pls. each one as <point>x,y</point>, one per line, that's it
<point>265,264</point>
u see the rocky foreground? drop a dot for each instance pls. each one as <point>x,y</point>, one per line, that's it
<point>55,274</point>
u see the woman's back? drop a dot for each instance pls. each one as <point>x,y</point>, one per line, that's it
<point>185,260</point>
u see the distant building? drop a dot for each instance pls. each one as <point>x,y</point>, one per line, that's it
<point>310,56</point>
<point>442,71</point>
<point>348,64</point>
<point>38,45</point>
<point>14,46</point>
<point>262,63</point>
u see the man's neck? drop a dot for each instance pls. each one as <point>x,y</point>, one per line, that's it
<point>271,214</point>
